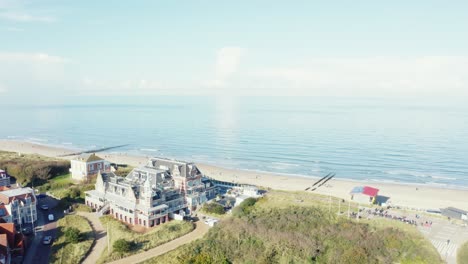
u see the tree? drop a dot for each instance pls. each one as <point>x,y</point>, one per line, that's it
<point>74,193</point>
<point>72,235</point>
<point>213,208</point>
<point>122,245</point>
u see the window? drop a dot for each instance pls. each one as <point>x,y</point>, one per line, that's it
<point>91,166</point>
<point>100,165</point>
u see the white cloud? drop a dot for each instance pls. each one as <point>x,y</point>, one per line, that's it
<point>119,87</point>
<point>25,17</point>
<point>30,57</point>
<point>30,71</point>
<point>372,76</point>
<point>227,64</point>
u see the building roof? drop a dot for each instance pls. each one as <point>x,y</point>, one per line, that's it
<point>3,240</point>
<point>10,231</point>
<point>453,212</point>
<point>16,193</point>
<point>366,190</point>
<point>89,157</point>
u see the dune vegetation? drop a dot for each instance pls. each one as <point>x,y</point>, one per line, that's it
<point>31,168</point>
<point>140,241</point>
<point>462,254</point>
<point>267,231</point>
<point>75,238</point>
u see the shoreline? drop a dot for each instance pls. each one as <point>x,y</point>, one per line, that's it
<point>407,195</point>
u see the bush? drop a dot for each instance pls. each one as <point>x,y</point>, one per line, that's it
<point>32,168</point>
<point>72,235</point>
<point>245,207</point>
<point>213,208</point>
<point>74,193</point>
<point>122,246</point>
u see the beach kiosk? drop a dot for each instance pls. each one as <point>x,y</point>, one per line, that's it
<point>364,194</point>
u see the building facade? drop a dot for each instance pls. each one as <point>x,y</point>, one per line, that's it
<point>152,194</point>
<point>18,205</point>
<point>4,178</point>
<point>86,165</point>
<point>11,243</point>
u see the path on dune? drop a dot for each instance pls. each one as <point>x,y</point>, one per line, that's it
<point>100,236</point>
<point>199,231</point>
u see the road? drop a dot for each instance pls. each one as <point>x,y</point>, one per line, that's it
<point>446,238</point>
<point>37,253</point>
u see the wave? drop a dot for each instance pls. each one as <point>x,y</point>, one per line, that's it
<point>149,150</point>
<point>285,164</point>
<point>419,174</point>
<point>37,139</point>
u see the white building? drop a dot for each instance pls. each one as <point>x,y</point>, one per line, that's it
<point>4,178</point>
<point>151,194</point>
<point>86,165</point>
<point>18,205</point>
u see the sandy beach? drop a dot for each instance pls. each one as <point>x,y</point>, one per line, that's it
<point>419,197</point>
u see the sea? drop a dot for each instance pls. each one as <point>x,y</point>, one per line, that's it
<point>405,140</point>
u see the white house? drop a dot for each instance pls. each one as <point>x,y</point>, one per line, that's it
<point>18,205</point>
<point>87,165</point>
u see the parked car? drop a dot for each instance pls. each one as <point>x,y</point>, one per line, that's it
<point>44,207</point>
<point>47,240</point>
<point>51,217</point>
<point>26,231</point>
<point>40,196</point>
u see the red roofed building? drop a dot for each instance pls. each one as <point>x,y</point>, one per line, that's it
<point>11,243</point>
<point>364,194</point>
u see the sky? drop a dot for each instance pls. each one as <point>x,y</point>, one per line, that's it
<point>248,48</point>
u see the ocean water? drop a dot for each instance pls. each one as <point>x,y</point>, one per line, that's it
<point>370,139</point>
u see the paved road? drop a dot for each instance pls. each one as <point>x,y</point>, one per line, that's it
<point>444,235</point>
<point>37,253</point>
<point>100,236</point>
<point>446,238</point>
<point>200,230</point>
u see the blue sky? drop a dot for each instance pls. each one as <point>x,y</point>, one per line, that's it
<point>330,48</point>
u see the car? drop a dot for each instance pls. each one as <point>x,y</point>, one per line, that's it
<point>47,240</point>
<point>40,196</point>
<point>51,217</point>
<point>44,207</point>
<point>27,231</point>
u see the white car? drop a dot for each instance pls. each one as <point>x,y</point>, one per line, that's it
<point>47,240</point>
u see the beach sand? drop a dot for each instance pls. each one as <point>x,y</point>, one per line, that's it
<point>418,197</point>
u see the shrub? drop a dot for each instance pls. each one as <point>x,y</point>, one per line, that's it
<point>213,208</point>
<point>72,235</point>
<point>245,207</point>
<point>122,246</point>
<point>74,193</point>
<point>462,254</point>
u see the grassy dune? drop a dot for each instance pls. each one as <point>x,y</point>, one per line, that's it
<point>65,252</point>
<point>143,241</point>
<point>297,227</point>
